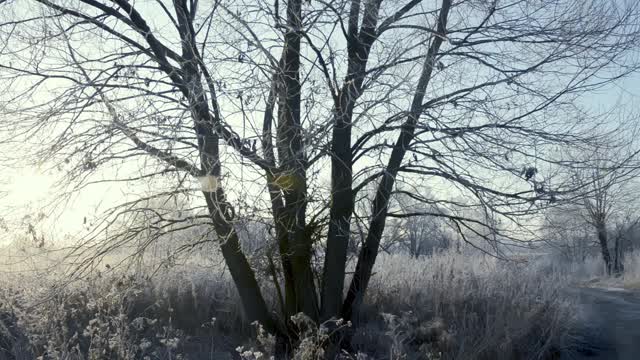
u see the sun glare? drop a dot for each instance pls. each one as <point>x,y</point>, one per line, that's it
<point>29,187</point>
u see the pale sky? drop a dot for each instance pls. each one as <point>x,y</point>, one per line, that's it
<point>27,188</point>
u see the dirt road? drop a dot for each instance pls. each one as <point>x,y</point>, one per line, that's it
<point>608,325</point>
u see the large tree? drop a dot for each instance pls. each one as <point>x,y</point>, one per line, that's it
<point>260,100</point>
<point>607,176</point>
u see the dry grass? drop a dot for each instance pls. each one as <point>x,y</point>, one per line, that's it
<point>592,273</point>
<point>486,308</point>
<point>631,277</point>
<point>445,306</point>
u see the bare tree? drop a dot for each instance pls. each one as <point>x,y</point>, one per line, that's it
<point>565,230</point>
<point>625,238</point>
<point>418,227</point>
<point>259,100</point>
<point>606,177</point>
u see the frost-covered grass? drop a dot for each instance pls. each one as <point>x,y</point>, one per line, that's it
<point>631,276</point>
<point>592,272</point>
<point>462,306</point>
<point>487,308</point>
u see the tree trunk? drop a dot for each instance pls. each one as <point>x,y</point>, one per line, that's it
<point>342,202</point>
<point>358,45</point>
<point>276,197</point>
<point>253,304</point>
<point>414,244</point>
<point>369,251</point>
<point>618,259</point>
<point>220,211</point>
<point>292,180</point>
<point>601,228</point>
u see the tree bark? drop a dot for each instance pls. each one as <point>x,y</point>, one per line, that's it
<point>292,179</point>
